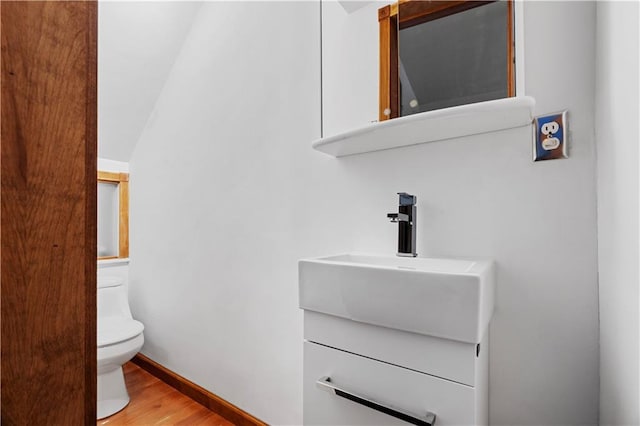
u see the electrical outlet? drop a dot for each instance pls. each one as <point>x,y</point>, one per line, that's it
<point>550,142</point>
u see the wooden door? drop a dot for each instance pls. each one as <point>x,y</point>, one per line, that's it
<point>48,216</point>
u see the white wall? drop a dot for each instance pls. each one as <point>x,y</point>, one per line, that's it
<point>617,137</point>
<point>106,165</point>
<point>228,195</point>
<point>137,45</point>
<point>350,52</point>
<point>214,232</point>
<point>544,361</point>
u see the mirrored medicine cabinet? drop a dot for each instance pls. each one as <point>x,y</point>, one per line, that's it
<point>383,60</point>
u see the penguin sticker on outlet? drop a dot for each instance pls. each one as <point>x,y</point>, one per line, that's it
<point>550,138</point>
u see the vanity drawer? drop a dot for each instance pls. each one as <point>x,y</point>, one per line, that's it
<point>365,379</point>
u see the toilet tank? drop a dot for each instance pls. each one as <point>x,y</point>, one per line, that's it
<point>113,300</point>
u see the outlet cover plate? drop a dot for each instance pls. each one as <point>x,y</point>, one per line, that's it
<point>550,141</point>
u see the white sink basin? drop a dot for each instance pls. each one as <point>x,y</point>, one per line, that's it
<point>446,298</point>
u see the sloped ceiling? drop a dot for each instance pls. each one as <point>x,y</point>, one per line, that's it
<point>351,6</point>
<point>138,43</point>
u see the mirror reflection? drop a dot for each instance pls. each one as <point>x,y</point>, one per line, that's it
<point>457,59</point>
<point>382,60</point>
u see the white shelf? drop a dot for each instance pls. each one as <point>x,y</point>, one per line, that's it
<point>113,262</point>
<point>431,126</point>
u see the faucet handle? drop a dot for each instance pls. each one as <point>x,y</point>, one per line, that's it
<point>407,199</point>
<point>398,217</point>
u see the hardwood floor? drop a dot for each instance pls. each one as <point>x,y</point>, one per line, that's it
<point>153,402</point>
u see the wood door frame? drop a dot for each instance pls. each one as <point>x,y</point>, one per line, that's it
<point>48,221</point>
<point>407,13</point>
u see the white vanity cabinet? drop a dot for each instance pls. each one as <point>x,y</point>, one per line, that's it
<point>397,376</point>
<point>394,341</point>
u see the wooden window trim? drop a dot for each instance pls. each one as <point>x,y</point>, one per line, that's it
<point>407,13</point>
<point>122,179</point>
<point>389,93</point>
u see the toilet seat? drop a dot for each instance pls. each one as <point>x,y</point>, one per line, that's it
<point>115,330</point>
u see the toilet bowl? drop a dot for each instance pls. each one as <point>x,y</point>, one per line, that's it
<point>120,338</point>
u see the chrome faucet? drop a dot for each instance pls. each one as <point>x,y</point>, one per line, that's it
<point>406,219</point>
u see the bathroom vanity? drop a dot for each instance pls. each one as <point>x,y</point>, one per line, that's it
<point>396,340</point>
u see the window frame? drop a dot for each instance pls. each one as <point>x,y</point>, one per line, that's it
<point>407,13</point>
<point>122,180</point>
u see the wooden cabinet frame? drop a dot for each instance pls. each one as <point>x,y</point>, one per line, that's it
<point>407,13</point>
<point>122,180</point>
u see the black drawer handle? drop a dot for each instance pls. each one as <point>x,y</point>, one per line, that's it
<point>428,419</point>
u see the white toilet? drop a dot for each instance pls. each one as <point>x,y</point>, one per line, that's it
<point>119,339</point>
